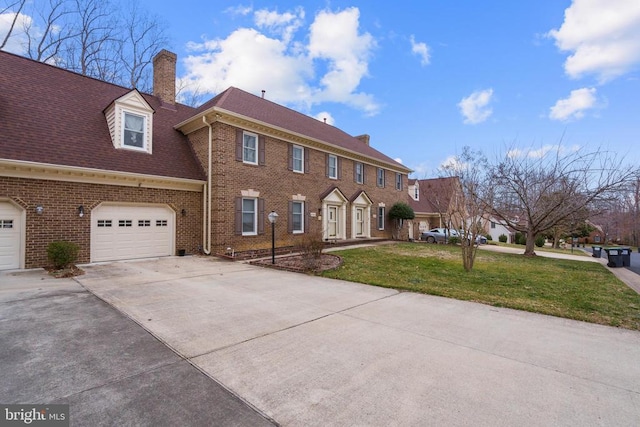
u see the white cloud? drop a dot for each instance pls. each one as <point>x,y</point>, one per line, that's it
<point>575,105</point>
<point>420,49</point>
<point>325,116</point>
<point>239,10</point>
<point>603,37</point>
<point>475,107</point>
<point>272,58</point>
<point>398,159</point>
<point>283,24</point>
<point>18,40</point>
<point>452,164</point>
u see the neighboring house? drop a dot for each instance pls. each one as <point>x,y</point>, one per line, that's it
<point>433,202</point>
<point>496,227</point>
<point>130,175</point>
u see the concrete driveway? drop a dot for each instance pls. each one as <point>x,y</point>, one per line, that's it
<point>310,351</point>
<point>59,344</point>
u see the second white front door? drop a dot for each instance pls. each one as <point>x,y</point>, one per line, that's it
<point>332,222</point>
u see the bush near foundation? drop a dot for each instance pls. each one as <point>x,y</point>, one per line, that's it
<point>62,254</point>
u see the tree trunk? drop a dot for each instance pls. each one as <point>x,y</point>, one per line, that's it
<point>531,242</point>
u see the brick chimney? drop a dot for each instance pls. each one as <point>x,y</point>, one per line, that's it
<point>364,138</point>
<point>164,76</point>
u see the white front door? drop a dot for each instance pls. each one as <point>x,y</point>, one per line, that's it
<point>10,236</point>
<point>128,231</point>
<point>332,222</point>
<point>359,222</point>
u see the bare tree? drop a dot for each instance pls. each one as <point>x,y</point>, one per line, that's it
<point>15,8</point>
<point>143,37</point>
<point>471,200</point>
<point>91,37</point>
<point>535,193</point>
<point>47,35</point>
<point>93,51</point>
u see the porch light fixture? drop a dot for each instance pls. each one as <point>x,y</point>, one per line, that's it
<point>183,212</point>
<point>39,209</point>
<point>273,217</point>
<point>80,211</point>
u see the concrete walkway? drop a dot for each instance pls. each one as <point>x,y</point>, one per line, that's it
<point>309,351</point>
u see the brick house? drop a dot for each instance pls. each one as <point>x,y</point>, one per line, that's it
<point>433,202</point>
<point>131,175</point>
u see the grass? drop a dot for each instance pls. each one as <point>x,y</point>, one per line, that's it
<point>576,251</point>
<point>572,289</point>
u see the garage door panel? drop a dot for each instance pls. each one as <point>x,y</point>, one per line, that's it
<point>129,232</point>
<point>10,236</point>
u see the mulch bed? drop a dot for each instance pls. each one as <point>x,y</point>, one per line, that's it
<point>70,271</point>
<point>298,264</point>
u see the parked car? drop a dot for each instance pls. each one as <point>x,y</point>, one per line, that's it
<point>438,235</point>
<point>442,235</point>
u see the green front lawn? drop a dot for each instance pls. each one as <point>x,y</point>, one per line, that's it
<point>573,289</point>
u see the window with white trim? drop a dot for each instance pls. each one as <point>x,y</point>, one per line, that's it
<point>250,148</point>
<point>380,217</point>
<point>416,192</point>
<point>398,181</point>
<point>297,153</point>
<point>104,223</point>
<point>125,223</point>
<point>161,223</point>
<point>297,217</point>
<point>144,223</point>
<point>249,217</point>
<point>134,130</point>
<point>380,180</point>
<point>359,173</point>
<point>332,166</point>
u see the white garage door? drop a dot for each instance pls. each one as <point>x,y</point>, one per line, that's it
<point>10,233</point>
<point>127,232</point>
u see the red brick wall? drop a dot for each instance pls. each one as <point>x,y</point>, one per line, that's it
<point>277,185</point>
<point>60,220</point>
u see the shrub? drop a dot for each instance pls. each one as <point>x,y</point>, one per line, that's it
<point>503,238</point>
<point>489,238</point>
<point>311,247</point>
<point>520,239</point>
<point>454,240</point>
<point>62,253</point>
<point>540,241</point>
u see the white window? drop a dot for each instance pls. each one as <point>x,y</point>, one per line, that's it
<point>297,217</point>
<point>250,148</point>
<point>144,223</point>
<point>125,223</point>
<point>381,218</point>
<point>249,217</point>
<point>493,224</point>
<point>359,173</point>
<point>332,166</point>
<point>133,130</point>
<point>104,223</point>
<point>380,177</point>
<point>416,192</point>
<point>398,181</point>
<point>298,158</point>
<point>161,223</point>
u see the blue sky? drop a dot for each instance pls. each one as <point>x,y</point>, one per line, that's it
<point>426,78</point>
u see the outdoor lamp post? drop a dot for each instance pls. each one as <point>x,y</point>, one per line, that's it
<point>273,217</point>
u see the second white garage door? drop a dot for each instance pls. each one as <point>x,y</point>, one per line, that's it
<point>120,232</point>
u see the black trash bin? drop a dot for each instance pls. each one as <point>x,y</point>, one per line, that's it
<point>597,251</point>
<point>625,254</point>
<point>615,258</point>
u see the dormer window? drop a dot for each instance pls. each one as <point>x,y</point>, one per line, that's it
<point>133,130</point>
<point>130,121</point>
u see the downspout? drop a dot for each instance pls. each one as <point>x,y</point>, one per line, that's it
<point>206,241</point>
